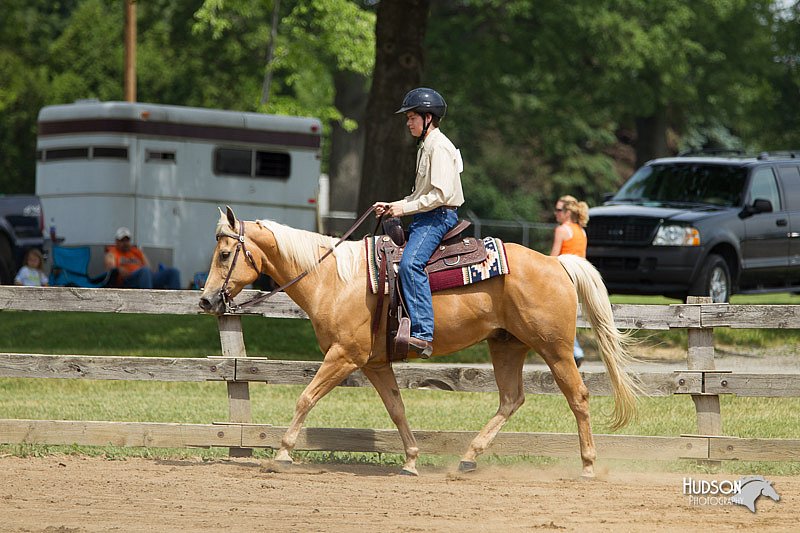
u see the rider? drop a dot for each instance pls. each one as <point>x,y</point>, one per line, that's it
<point>434,201</point>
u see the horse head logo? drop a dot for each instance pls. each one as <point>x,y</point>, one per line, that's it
<point>752,488</point>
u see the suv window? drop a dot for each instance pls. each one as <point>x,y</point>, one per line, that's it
<point>790,181</point>
<point>764,187</point>
<point>688,183</point>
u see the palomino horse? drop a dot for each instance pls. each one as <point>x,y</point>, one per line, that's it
<point>533,307</point>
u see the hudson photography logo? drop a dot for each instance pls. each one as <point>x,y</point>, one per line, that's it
<point>744,491</point>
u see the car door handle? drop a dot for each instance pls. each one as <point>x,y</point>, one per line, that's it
<point>782,222</point>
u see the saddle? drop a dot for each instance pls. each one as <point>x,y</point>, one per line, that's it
<point>453,252</point>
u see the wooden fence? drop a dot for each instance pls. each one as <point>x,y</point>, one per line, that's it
<point>700,380</point>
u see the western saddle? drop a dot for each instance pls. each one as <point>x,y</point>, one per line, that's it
<point>454,251</point>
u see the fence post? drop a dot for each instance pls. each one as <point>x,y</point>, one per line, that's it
<point>701,357</point>
<point>232,341</point>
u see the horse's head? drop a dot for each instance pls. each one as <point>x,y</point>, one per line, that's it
<point>768,490</point>
<point>233,266</point>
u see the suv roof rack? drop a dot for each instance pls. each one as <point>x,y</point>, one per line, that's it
<point>711,151</point>
<point>779,154</point>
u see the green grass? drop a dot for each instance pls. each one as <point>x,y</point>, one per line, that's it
<point>150,335</point>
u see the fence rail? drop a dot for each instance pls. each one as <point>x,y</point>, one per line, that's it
<point>700,380</point>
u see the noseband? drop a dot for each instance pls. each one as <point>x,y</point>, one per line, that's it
<point>224,291</point>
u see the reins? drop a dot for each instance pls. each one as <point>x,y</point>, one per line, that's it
<point>230,307</point>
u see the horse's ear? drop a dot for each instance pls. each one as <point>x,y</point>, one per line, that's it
<point>231,217</point>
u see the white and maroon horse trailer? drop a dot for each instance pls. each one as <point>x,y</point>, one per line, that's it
<point>163,170</point>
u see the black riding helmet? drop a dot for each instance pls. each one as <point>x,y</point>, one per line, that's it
<point>424,100</point>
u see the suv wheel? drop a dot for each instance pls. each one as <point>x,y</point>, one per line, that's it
<point>714,280</point>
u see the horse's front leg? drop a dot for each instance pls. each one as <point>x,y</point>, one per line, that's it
<point>334,369</point>
<point>383,379</point>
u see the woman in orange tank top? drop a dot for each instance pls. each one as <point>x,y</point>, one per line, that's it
<point>570,238</point>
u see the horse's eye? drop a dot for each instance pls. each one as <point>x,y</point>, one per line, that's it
<point>224,255</point>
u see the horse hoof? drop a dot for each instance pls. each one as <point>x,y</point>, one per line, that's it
<point>283,462</point>
<point>467,466</point>
<point>587,476</point>
<point>409,472</point>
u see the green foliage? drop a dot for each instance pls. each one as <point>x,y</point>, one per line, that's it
<point>315,39</point>
<point>542,94</point>
<point>549,86</point>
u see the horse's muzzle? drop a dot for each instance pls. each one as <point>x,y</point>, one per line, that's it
<point>212,304</point>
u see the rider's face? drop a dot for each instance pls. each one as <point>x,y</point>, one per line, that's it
<point>415,123</point>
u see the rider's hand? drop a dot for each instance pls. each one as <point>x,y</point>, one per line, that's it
<point>387,209</point>
<point>380,208</point>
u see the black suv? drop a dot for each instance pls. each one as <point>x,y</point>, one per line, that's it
<point>702,226</point>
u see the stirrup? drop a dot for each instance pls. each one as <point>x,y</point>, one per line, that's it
<point>402,338</point>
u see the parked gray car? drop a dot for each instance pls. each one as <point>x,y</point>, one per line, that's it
<point>21,225</point>
<point>703,226</point>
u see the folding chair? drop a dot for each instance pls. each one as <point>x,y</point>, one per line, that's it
<point>71,269</point>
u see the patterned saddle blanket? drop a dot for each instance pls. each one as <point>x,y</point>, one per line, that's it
<point>451,272</point>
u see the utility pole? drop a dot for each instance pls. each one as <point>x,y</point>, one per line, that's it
<point>130,50</point>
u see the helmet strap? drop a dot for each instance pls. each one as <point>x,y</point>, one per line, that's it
<point>425,125</point>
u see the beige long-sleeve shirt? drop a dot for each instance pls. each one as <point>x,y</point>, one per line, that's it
<point>438,180</point>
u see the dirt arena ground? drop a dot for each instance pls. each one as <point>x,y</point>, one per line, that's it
<point>86,494</point>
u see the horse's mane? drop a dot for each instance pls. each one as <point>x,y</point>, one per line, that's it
<point>305,248</point>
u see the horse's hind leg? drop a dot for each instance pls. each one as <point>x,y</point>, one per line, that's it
<point>333,370</point>
<point>508,357</point>
<point>384,381</point>
<point>569,380</point>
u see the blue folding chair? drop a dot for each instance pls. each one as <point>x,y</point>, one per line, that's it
<point>71,269</point>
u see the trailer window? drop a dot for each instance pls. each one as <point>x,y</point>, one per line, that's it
<point>66,153</point>
<point>251,163</point>
<point>109,152</point>
<point>159,157</point>
<point>89,152</point>
<point>231,161</point>
<point>273,165</point>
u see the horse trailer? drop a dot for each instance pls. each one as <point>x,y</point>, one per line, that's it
<point>163,170</point>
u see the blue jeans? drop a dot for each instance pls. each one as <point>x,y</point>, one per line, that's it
<point>577,351</point>
<point>144,278</point>
<point>425,234</point>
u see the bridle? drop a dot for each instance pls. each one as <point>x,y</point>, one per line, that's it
<point>224,290</point>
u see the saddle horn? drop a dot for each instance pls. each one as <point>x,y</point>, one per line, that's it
<point>393,227</point>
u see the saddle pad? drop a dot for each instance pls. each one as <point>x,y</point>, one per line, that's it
<point>496,264</point>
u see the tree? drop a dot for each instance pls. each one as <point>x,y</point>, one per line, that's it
<point>27,28</point>
<point>388,168</point>
<point>321,64</point>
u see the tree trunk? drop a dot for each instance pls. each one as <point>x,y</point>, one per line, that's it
<point>388,171</point>
<point>651,137</point>
<point>347,147</point>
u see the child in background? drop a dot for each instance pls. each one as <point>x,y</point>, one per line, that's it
<point>31,273</point>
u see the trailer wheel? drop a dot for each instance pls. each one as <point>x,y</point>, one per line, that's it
<point>6,262</point>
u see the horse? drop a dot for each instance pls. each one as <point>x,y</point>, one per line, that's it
<point>534,307</point>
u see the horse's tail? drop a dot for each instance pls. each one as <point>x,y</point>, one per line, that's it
<point>614,344</point>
